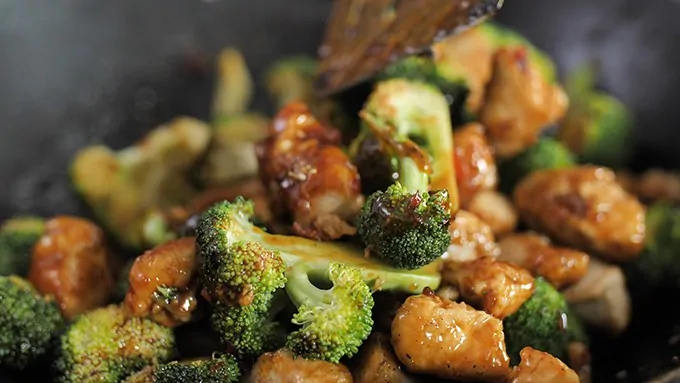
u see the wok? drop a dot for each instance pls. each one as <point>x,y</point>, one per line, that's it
<point>74,73</point>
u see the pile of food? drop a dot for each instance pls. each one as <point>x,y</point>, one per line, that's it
<point>434,232</point>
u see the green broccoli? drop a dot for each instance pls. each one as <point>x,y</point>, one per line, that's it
<point>218,369</point>
<point>407,230</point>
<point>410,121</point>
<point>234,86</point>
<point>658,264</point>
<point>598,127</point>
<point>127,190</point>
<point>291,79</point>
<point>335,322</point>
<point>105,345</point>
<point>245,270</point>
<point>547,153</point>
<point>17,237</point>
<point>543,322</point>
<point>28,323</point>
<point>423,69</point>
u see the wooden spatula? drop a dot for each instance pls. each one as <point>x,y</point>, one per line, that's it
<point>364,36</point>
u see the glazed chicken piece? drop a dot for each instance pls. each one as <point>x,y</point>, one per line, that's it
<point>71,262</point>
<point>541,367</point>
<point>282,367</point>
<point>378,364</point>
<point>496,210</point>
<point>601,298</point>
<point>520,102</point>
<point>435,336</point>
<point>309,175</point>
<point>499,288</point>
<point>585,208</point>
<point>474,163</point>
<point>163,283</point>
<point>558,265</point>
<point>470,238</point>
<point>471,54</point>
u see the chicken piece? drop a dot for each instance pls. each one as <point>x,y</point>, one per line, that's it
<point>520,102</point>
<point>448,291</point>
<point>470,54</point>
<point>450,340</point>
<point>378,364</point>
<point>71,262</point>
<point>499,288</point>
<point>558,265</point>
<point>163,283</point>
<point>541,367</point>
<point>585,208</point>
<point>652,185</point>
<point>283,367</point>
<point>601,298</point>
<point>473,159</point>
<point>470,238</point>
<point>308,174</point>
<point>496,210</point>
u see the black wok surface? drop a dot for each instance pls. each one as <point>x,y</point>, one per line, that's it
<point>75,72</point>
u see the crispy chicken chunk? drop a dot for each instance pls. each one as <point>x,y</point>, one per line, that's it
<point>652,185</point>
<point>499,288</point>
<point>474,162</point>
<point>583,207</point>
<point>378,364</point>
<point>71,262</point>
<point>163,283</point>
<point>282,367</point>
<point>496,210</point>
<point>558,265</point>
<point>451,340</point>
<point>601,298</point>
<point>470,238</point>
<point>309,175</point>
<point>520,102</point>
<point>541,367</point>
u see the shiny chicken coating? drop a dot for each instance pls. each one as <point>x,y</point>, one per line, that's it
<point>520,102</point>
<point>470,238</point>
<point>283,367</point>
<point>585,208</point>
<point>540,367</point>
<point>163,283</point>
<point>309,174</point>
<point>496,210</point>
<point>560,266</point>
<point>450,340</point>
<point>71,262</point>
<point>498,288</point>
<point>475,165</point>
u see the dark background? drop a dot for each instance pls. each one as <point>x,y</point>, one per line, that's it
<point>75,72</point>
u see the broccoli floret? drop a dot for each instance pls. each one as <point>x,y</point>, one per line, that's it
<point>658,264</point>
<point>291,79</point>
<point>234,85</point>
<point>219,369</point>
<point>245,269</point>
<point>126,189</point>
<point>335,322</point>
<point>451,83</point>
<point>547,153</point>
<point>597,127</point>
<point>17,237</point>
<point>410,121</point>
<point>28,323</point>
<point>106,346</point>
<point>407,230</point>
<point>543,322</point>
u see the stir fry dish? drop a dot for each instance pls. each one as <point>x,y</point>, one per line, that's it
<point>443,232</point>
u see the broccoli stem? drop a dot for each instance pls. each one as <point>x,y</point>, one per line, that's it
<point>411,176</point>
<point>300,288</point>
